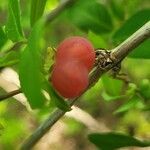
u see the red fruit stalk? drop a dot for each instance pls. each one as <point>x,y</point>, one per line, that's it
<point>74,59</point>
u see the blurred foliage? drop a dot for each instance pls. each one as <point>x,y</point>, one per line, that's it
<point>37,9</point>
<point>121,106</point>
<point>14,127</point>
<point>90,15</point>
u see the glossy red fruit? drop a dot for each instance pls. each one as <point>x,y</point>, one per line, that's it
<point>77,48</point>
<point>69,78</point>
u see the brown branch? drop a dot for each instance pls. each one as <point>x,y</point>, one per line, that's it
<point>10,94</point>
<point>120,52</point>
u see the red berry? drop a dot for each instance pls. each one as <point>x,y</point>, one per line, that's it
<point>77,48</point>
<point>69,78</point>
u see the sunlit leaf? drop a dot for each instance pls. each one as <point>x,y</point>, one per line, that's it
<point>13,129</point>
<point>97,40</point>
<point>134,102</point>
<point>50,5</point>
<point>145,89</point>
<point>111,86</point>
<point>108,97</point>
<point>131,90</point>
<point>49,59</point>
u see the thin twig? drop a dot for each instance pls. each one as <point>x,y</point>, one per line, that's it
<point>10,94</point>
<point>120,52</point>
<point>54,13</point>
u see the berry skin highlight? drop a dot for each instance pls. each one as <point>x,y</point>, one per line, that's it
<point>75,58</point>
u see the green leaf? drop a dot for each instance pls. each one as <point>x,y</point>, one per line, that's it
<point>111,86</point>
<point>134,102</point>
<point>109,98</point>
<point>37,9</point>
<point>3,37</point>
<point>114,95</point>
<point>129,27</point>
<point>142,51</point>
<point>113,141</point>
<point>131,91</point>
<point>97,40</point>
<point>1,128</point>
<point>14,128</point>
<point>30,68</point>
<point>90,15</point>
<point>117,8</point>
<point>144,88</point>
<point>56,99</point>
<point>9,58</point>
<point>13,26</point>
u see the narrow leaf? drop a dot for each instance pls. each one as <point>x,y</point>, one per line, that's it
<point>30,68</point>
<point>37,9</point>
<point>131,90</point>
<point>112,86</point>
<point>9,58</point>
<point>13,26</point>
<point>129,27</point>
<point>56,99</point>
<point>142,51</point>
<point>134,102</point>
<point>3,37</point>
<point>109,98</point>
<point>113,141</point>
<point>144,88</point>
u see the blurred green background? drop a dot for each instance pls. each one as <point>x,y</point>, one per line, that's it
<point>112,104</point>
